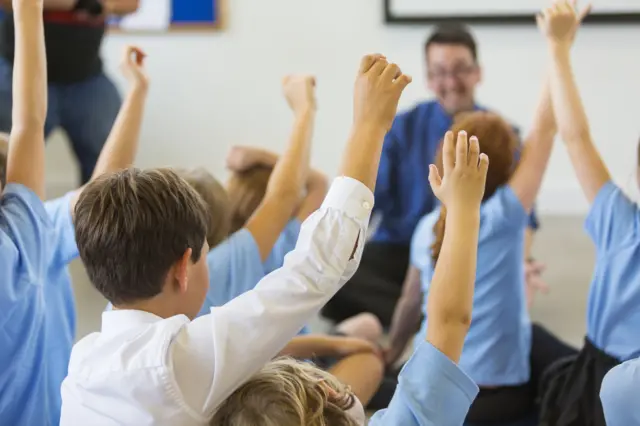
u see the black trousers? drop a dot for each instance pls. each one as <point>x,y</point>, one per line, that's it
<point>510,404</point>
<point>570,389</point>
<point>375,287</point>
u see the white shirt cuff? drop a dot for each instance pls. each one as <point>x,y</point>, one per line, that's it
<point>350,196</point>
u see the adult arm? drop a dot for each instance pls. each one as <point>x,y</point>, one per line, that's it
<point>25,158</point>
<point>290,172</point>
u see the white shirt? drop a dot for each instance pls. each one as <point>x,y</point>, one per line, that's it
<point>144,370</point>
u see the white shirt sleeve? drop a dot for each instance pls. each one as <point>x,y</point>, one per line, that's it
<point>217,353</point>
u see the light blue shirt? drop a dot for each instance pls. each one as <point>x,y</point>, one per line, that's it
<point>36,314</point>
<point>496,350</point>
<point>235,265</point>
<point>620,394</point>
<point>432,391</point>
<point>613,310</point>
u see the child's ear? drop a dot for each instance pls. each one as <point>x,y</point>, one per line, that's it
<point>181,271</point>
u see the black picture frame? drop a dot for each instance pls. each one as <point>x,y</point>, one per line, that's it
<point>593,18</point>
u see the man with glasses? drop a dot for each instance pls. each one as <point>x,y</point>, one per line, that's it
<point>402,193</point>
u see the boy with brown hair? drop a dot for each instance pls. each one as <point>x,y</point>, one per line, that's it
<point>142,236</point>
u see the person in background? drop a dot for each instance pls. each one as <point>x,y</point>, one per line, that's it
<point>402,198</point>
<point>433,390</point>
<point>155,361</point>
<point>572,393</point>
<point>82,100</point>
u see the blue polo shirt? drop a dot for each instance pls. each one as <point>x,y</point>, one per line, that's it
<point>497,347</point>
<point>620,393</point>
<point>432,391</point>
<point>403,195</point>
<point>235,265</point>
<point>613,310</point>
<point>36,307</point>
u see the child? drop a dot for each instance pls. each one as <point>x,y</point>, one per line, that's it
<point>142,237</point>
<point>59,316</point>
<point>504,354</point>
<point>433,390</point>
<point>571,395</point>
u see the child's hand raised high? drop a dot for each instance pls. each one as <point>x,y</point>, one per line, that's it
<point>377,92</point>
<point>560,22</point>
<point>464,173</point>
<point>300,91</point>
<point>132,66</point>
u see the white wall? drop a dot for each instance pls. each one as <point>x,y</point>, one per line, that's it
<point>212,90</point>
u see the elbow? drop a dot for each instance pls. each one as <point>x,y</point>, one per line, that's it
<point>458,318</point>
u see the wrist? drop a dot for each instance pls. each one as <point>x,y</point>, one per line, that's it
<point>371,130</point>
<point>559,49</point>
<point>306,111</point>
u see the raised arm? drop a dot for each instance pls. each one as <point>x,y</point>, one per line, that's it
<point>243,158</point>
<point>47,4</point>
<point>327,254</point>
<point>431,380</point>
<point>120,149</point>
<point>25,159</point>
<point>560,24</point>
<point>290,172</point>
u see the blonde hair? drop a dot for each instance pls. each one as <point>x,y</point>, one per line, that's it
<point>217,200</point>
<point>246,190</point>
<point>287,392</point>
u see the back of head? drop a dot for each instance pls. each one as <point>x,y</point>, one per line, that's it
<point>288,393</point>
<point>498,140</point>
<point>453,33</point>
<point>133,226</point>
<point>246,190</point>
<point>4,150</point>
<point>217,200</point>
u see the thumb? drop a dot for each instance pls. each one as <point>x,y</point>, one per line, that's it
<point>540,22</point>
<point>584,12</point>
<point>434,178</point>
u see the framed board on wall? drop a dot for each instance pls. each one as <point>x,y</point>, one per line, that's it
<point>498,11</point>
<point>168,15</point>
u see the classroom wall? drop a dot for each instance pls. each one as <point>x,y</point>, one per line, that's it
<point>212,90</point>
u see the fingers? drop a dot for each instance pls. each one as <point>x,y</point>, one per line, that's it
<point>403,81</point>
<point>585,12</point>
<point>391,72</point>
<point>378,67</point>
<point>474,152</point>
<point>434,178</point>
<point>367,62</point>
<point>448,154</point>
<point>133,55</point>
<point>462,150</point>
<point>483,165</point>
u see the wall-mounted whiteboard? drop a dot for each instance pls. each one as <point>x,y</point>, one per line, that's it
<point>416,11</point>
<point>166,15</point>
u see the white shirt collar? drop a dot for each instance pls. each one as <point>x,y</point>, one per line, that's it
<point>118,321</point>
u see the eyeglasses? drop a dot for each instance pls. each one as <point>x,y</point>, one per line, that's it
<point>456,73</point>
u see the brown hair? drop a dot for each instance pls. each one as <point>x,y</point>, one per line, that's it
<point>4,150</point>
<point>499,141</point>
<point>217,200</point>
<point>287,392</point>
<point>246,190</point>
<point>133,226</point>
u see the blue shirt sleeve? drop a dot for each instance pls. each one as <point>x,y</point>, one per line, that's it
<point>619,394</point>
<point>502,212</point>
<point>64,248</point>
<point>613,219</point>
<point>286,243</point>
<point>24,243</point>
<point>235,267</point>
<point>432,391</point>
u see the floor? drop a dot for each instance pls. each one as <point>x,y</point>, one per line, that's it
<point>561,245</point>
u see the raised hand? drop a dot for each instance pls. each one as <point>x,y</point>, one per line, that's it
<point>241,158</point>
<point>132,66</point>
<point>300,92</point>
<point>560,22</point>
<point>465,173</point>
<point>377,91</point>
